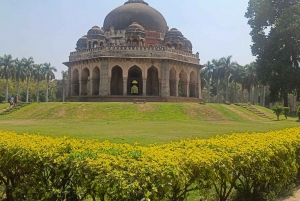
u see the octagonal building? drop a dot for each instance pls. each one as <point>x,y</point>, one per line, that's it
<point>134,56</point>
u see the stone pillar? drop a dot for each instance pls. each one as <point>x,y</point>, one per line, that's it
<point>71,89</point>
<point>165,81</point>
<point>108,84</point>
<point>104,79</point>
<point>125,86</point>
<point>69,83</point>
<point>91,87</point>
<point>188,89</point>
<point>144,86</point>
<point>199,85</point>
<point>159,87</point>
<point>177,83</point>
<point>80,87</point>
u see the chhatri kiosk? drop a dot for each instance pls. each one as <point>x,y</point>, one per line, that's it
<point>134,55</point>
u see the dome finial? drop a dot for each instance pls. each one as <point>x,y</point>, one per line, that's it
<point>136,1</point>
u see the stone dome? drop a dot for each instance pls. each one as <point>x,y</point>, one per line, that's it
<point>95,30</point>
<point>82,42</point>
<point>136,25</point>
<point>135,11</point>
<point>174,33</point>
<point>187,42</point>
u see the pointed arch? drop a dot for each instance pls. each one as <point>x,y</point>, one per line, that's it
<point>116,84</point>
<point>135,78</point>
<point>192,84</point>
<point>173,82</point>
<point>85,82</point>
<point>75,83</point>
<point>152,86</point>
<point>182,85</point>
<point>96,81</point>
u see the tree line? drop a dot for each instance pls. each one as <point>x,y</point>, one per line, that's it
<point>22,75</point>
<point>275,75</point>
<point>275,34</point>
<point>227,81</point>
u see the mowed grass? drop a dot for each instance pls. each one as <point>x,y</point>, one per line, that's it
<point>144,123</point>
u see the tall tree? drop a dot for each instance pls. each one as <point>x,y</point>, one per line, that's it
<point>228,67</point>
<point>28,64</point>
<point>276,43</point>
<point>19,74</point>
<point>38,76</point>
<point>218,74</point>
<point>250,79</point>
<point>49,75</point>
<point>64,79</point>
<point>7,70</point>
<point>208,73</point>
<point>237,76</point>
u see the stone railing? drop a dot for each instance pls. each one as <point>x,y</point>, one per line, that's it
<point>134,52</point>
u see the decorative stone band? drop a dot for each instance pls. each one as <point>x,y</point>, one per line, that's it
<point>135,52</point>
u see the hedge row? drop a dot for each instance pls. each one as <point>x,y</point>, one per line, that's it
<point>253,165</point>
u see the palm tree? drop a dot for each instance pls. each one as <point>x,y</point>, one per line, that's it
<point>49,74</point>
<point>228,66</point>
<point>237,77</point>
<point>251,79</point>
<point>20,73</point>
<point>38,75</point>
<point>208,73</point>
<point>64,78</point>
<point>218,73</point>
<point>28,64</point>
<point>7,70</point>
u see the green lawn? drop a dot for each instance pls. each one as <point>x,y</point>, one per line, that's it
<point>143,123</point>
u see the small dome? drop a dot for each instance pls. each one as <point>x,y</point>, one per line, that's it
<point>95,30</point>
<point>136,25</point>
<point>174,33</point>
<point>187,42</point>
<point>82,42</point>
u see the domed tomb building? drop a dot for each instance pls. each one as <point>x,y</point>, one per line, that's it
<point>134,56</point>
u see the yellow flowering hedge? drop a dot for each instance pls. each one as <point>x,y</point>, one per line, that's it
<point>34,167</point>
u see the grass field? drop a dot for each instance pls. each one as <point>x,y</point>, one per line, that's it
<point>143,123</point>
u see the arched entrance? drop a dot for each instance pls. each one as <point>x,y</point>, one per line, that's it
<point>116,84</point>
<point>182,85</point>
<point>85,82</point>
<point>96,81</point>
<point>192,84</point>
<point>173,82</point>
<point>135,81</point>
<point>152,88</point>
<point>75,83</point>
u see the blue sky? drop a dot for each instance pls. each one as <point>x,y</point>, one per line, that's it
<point>48,30</point>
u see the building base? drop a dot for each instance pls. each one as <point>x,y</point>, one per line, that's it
<point>131,99</point>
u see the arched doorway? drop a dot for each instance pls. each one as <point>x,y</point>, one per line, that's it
<point>152,86</point>
<point>192,84</point>
<point>75,83</point>
<point>173,82</point>
<point>135,81</point>
<point>85,82</point>
<point>116,84</point>
<point>95,44</point>
<point>182,85</point>
<point>96,81</point>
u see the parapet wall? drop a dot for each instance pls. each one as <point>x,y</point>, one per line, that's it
<point>135,52</point>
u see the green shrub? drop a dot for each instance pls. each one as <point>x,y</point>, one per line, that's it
<point>278,110</point>
<point>286,111</point>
